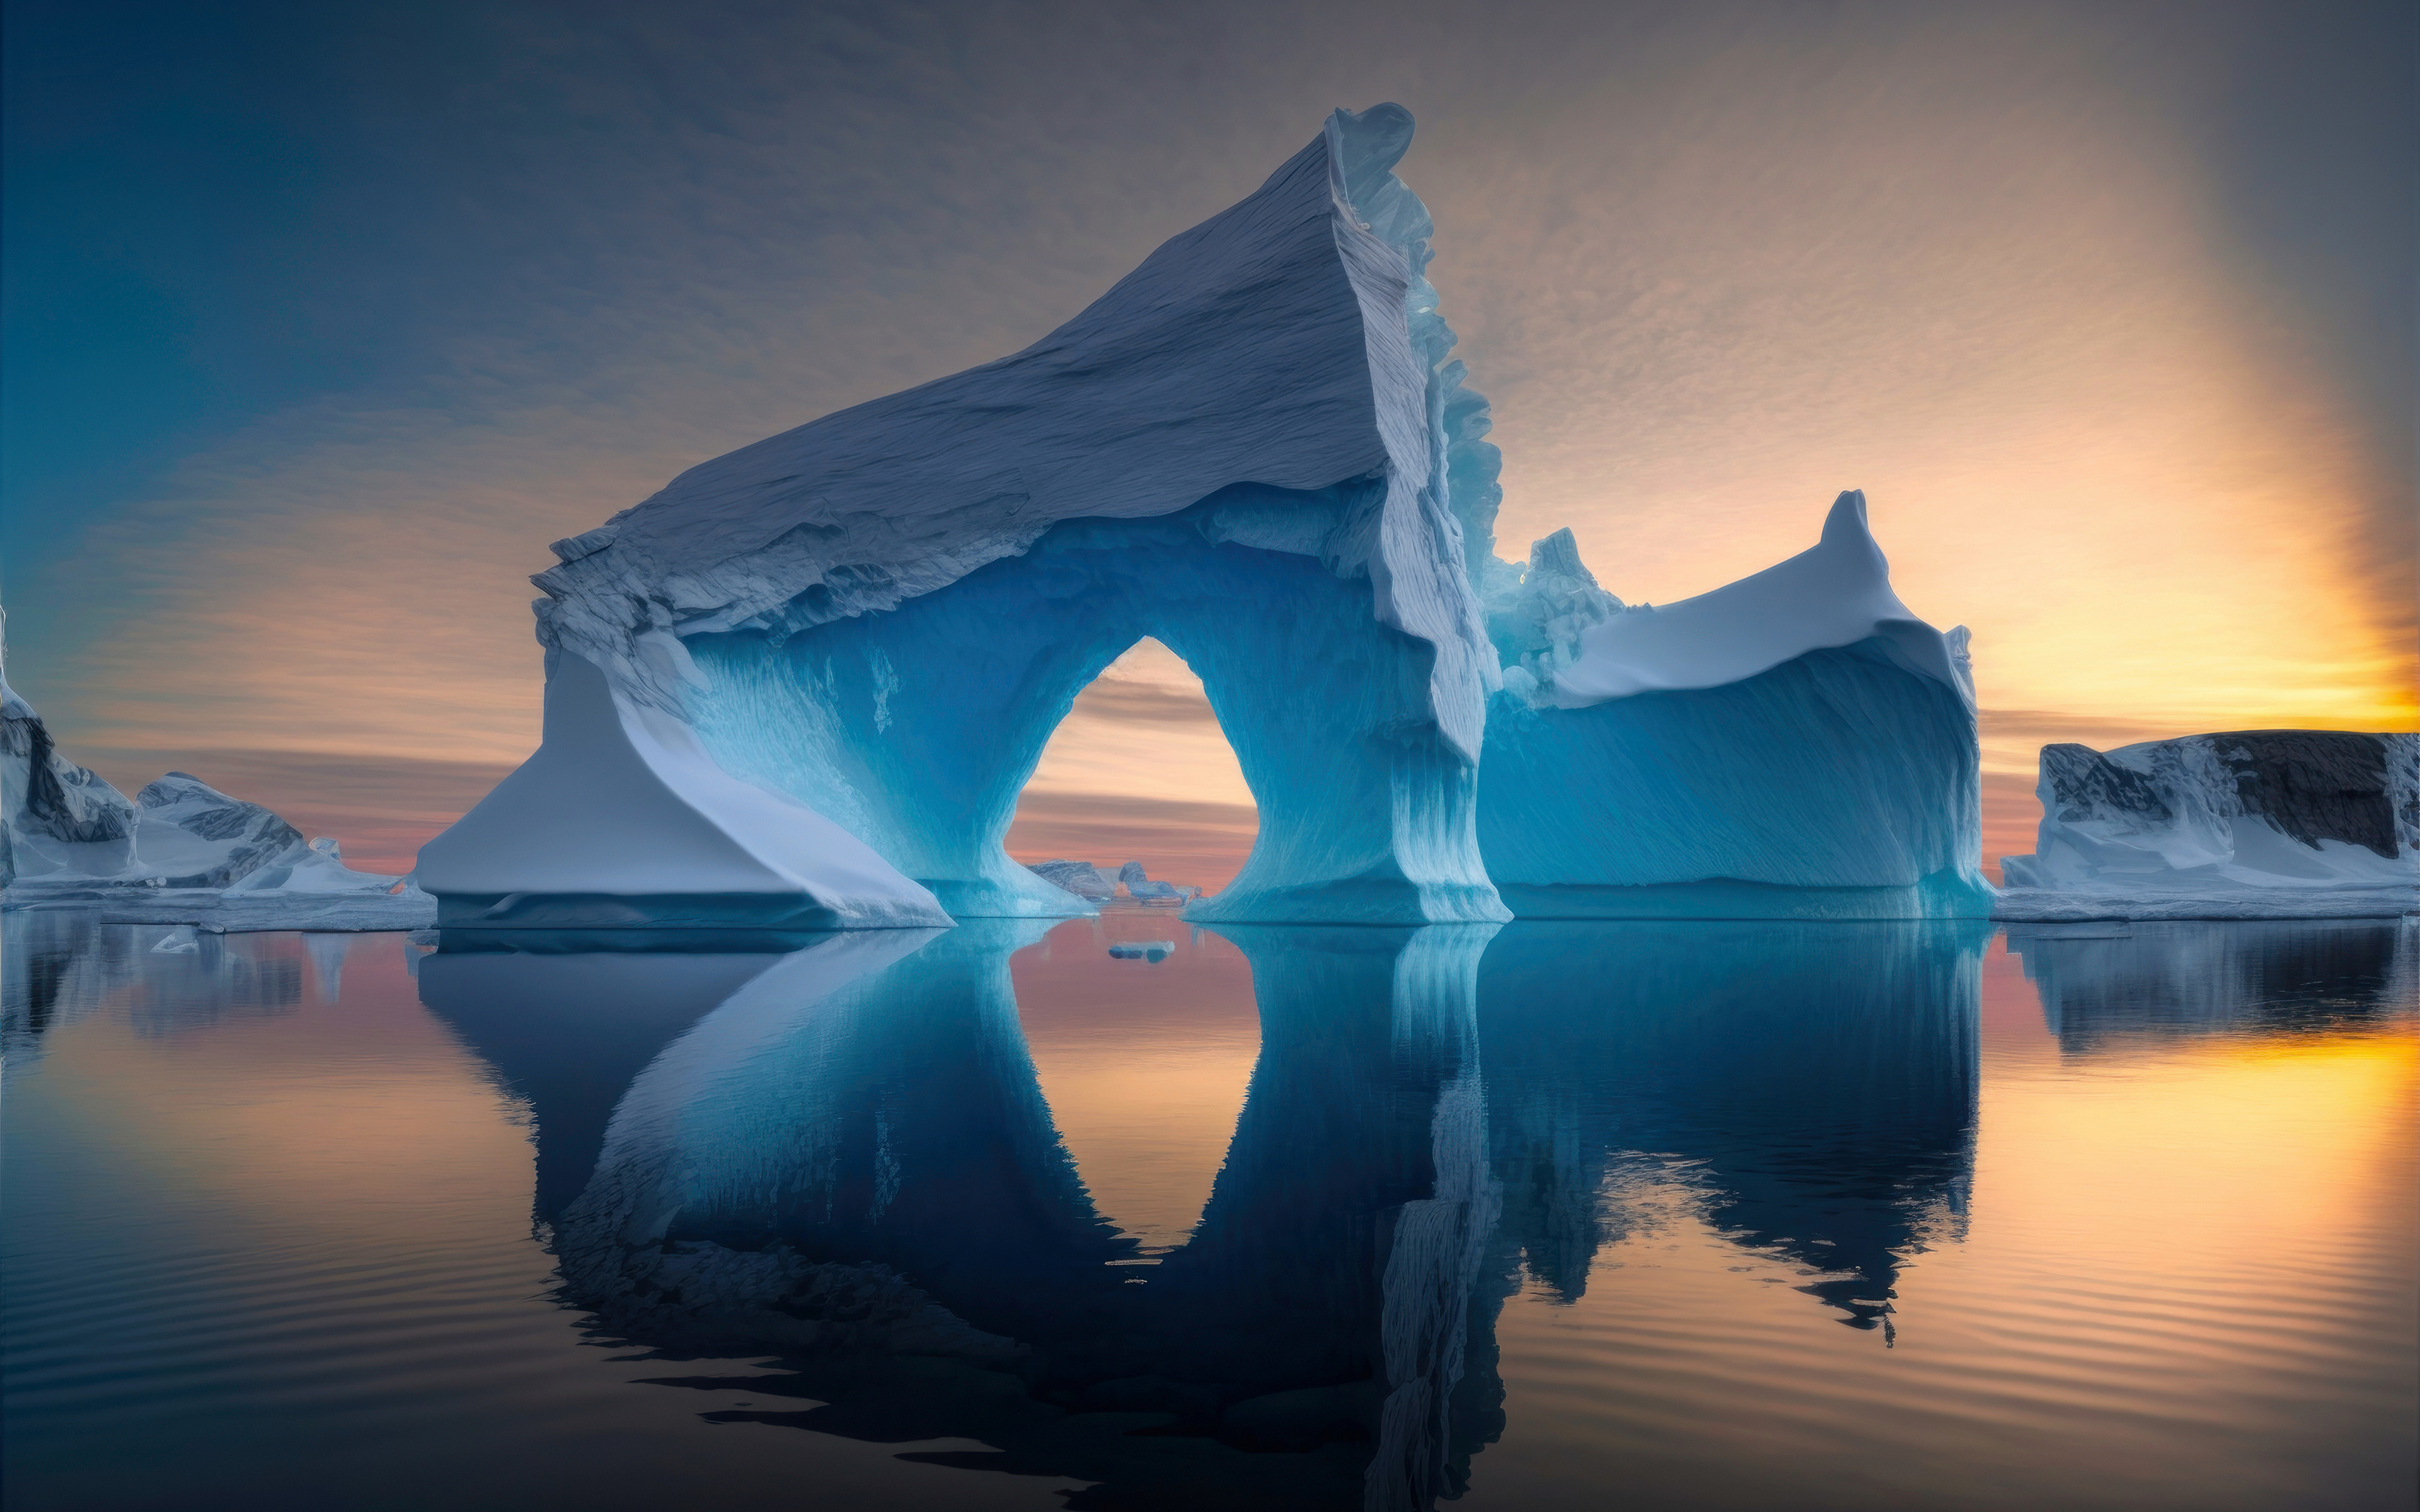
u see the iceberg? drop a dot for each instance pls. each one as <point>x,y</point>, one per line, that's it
<point>805,682</point>
<point>1251,448</point>
<point>56,818</point>
<point>183,853</point>
<point>2248,824</point>
<point>195,835</point>
<point>1142,888</point>
<point>1795,745</point>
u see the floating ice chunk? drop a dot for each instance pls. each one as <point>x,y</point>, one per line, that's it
<point>1793,744</point>
<point>2257,824</point>
<point>193,836</point>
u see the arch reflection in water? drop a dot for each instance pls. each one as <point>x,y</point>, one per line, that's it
<point>840,1155</point>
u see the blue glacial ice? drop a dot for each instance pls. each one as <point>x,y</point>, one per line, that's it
<point>1795,745</point>
<point>804,683</point>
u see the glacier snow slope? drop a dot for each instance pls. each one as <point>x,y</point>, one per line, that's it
<point>2257,824</point>
<point>1796,744</point>
<point>621,818</point>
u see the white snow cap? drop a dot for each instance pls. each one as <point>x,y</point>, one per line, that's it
<point>1836,593</point>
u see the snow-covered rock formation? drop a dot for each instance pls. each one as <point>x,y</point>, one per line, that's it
<point>56,817</point>
<point>1095,885</point>
<point>1143,889</point>
<point>184,854</point>
<point>2253,823</point>
<point>1793,744</point>
<point>195,835</point>
<point>807,679</point>
<point>1083,878</point>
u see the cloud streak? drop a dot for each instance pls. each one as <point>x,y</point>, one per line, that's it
<point>1712,262</point>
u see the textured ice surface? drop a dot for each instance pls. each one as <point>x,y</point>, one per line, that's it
<point>1289,341</point>
<point>1796,745</point>
<point>2256,824</point>
<point>1837,593</point>
<point>56,817</point>
<point>1251,448</point>
<point>195,836</point>
<point>1083,878</point>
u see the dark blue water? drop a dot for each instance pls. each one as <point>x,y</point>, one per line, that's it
<point>1661,1216</point>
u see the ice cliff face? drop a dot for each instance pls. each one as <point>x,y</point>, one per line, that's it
<point>1796,744</point>
<point>54,815</point>
<point>2255,823</point>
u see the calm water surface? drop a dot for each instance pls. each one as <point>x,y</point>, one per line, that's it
<point>1649,1216</point>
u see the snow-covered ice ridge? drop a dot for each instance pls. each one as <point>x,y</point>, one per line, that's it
<point>2249,823</point>
<point>804,683</point>
<point>182,853</point>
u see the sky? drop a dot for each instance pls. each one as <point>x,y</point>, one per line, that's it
<point>323,319</point>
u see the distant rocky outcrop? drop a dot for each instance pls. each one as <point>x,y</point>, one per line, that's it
<point>2249,823</point>
<point>185,854</point>
<point>1083,878</point>
<point>1091,883</point>
<point>1143,888</point>
<point>195,836</point>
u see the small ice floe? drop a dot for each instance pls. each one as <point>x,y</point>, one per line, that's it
<point>177,942</point>
<point>1143,950</point>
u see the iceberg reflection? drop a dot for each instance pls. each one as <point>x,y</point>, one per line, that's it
<point>2110,981</point>
<point>840,1155</point>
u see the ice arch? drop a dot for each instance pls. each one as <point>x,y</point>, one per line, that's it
<point>802,686</point>
<point>1251,448</point>
<point>1366,810</point>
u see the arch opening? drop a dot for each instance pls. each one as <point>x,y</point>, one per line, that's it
<point>916,729</point>
<point>1140,770</point>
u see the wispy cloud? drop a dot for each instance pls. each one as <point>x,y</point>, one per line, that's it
<point>1712,262</point>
